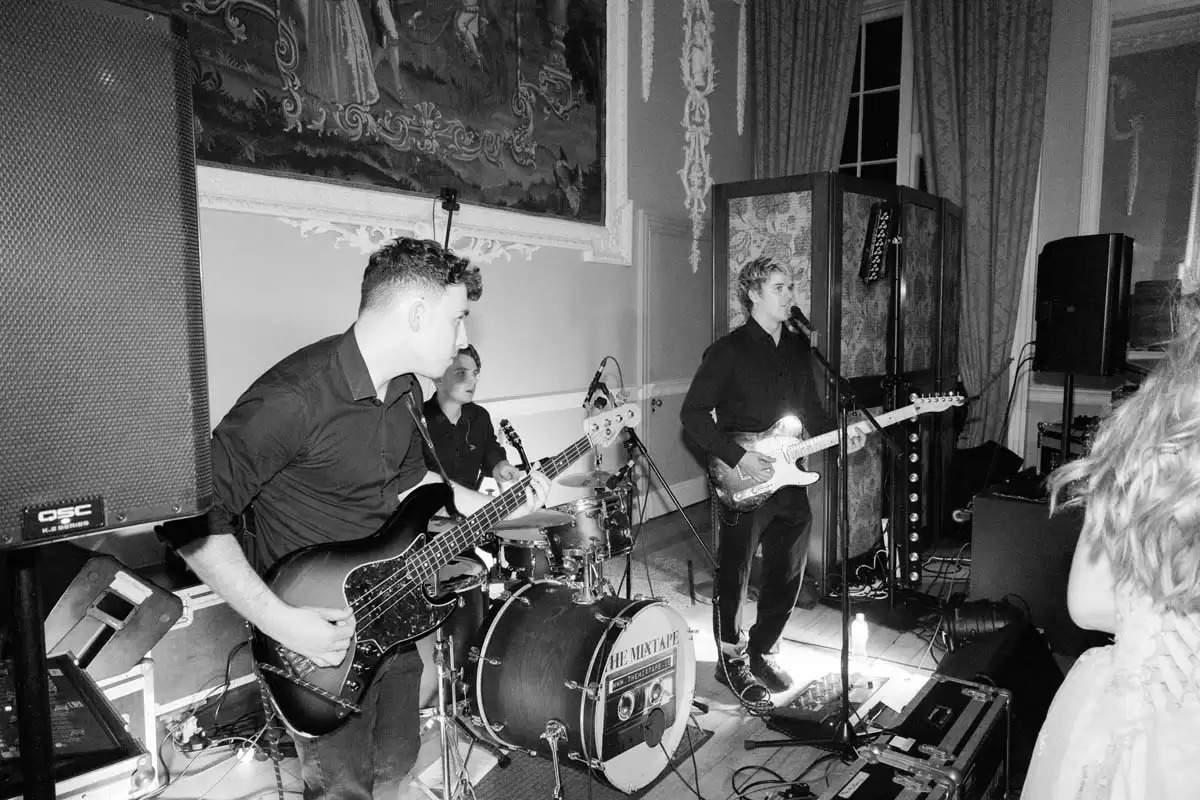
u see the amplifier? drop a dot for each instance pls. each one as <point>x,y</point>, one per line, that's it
<point>950,743</point>
<point>1049,442</point>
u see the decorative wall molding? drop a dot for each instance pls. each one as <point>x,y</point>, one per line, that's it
<point>362,217</point>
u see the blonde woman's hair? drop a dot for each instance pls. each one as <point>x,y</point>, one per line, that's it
<point>1140,484</point>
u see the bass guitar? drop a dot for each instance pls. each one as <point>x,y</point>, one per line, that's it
<point>384,579</point>
<point>782,443</point>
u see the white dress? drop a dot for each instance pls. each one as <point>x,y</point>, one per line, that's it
<point>1125,725</point>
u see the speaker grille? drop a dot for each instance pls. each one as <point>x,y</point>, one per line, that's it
<point>102,377</point>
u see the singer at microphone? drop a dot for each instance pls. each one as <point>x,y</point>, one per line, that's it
<point>801,324</point>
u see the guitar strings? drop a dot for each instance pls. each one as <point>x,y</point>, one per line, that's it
<point>391,588</point>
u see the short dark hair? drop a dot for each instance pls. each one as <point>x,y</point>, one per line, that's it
<point>470,350</point>
<point>752,276</point>
<point>416,262</point>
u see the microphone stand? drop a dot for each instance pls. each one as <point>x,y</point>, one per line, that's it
<point>839,735</point>
<point>636,442</point>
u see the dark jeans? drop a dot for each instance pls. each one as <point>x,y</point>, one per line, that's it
<point>374,749</point>
<point>782,525</point>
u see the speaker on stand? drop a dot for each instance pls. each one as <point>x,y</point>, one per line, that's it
<point>103,382</point>
<point>1083,300</point>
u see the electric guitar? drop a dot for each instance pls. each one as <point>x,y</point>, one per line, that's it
<point>782,443</point>
<point>384,578</point>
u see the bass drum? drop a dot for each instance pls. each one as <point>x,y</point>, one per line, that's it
<point>618,674</point>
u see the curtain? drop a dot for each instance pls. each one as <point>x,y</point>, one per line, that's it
<point>802,62</point>
<point>980,77</point>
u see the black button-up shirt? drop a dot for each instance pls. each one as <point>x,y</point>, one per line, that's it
<point>468,449</point>
<point>319,456</point>
<point>751,382</point>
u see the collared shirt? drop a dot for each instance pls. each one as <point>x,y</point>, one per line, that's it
<point>468,449</point>
<point>751,382</point>
<point>319,456</point>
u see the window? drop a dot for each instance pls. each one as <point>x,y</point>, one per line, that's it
<point>878,143</point>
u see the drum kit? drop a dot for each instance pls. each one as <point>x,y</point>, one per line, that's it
<point>542,656</point>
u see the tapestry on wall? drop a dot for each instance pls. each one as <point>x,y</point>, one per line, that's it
<point>503,101</point>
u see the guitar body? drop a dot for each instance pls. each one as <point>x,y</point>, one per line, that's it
<point>739,491</point>
<point>342,574</point>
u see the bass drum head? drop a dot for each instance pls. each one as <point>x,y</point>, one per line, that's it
<point>636,655</point>
<point>646,691</point>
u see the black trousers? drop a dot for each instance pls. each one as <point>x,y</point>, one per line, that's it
<point>782,525</point>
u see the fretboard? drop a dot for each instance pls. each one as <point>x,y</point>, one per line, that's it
<point>826,440</point>
<point>466,534</point>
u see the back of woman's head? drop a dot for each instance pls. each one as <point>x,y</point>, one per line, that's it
<point>1140,484</point>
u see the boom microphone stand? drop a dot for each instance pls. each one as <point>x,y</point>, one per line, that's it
<point>837,736</point>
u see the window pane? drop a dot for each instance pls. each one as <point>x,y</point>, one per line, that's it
<point>880,172</point>
<point>881,119</point>
<point>854,86</point>
<point>850,137</point>
<point>883,53</point>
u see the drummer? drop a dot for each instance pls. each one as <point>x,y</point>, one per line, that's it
<point>462,430</point>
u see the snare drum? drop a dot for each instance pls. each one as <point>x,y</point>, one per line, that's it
<point>524,554</point>
<point>618,674</point>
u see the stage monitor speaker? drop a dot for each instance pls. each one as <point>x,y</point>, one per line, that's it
<point>1021,554</point>
<point>1083,300</point>
<point>103,396</point>
<point>1015,658</point>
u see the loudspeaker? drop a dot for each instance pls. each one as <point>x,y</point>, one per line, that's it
<point>1015,658</point>
<point>1083,304</point>
<point>103,396</point>
<point>1020,552</point>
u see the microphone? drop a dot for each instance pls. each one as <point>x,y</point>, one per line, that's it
<point>619,477</point>
<point>796,316</point>
<point>596,383</point>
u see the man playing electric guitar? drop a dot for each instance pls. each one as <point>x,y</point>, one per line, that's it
<point>323,445</point>
<point>752,377</point>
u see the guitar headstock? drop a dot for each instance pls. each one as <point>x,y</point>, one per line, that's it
<point>513,439</point>
<point>602,429</point>
<point>509,434</point>
<point>938,401</point>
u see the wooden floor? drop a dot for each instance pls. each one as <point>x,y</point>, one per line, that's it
<point>660,568</point>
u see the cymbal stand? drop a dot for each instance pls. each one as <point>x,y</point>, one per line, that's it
<point>455,779</point>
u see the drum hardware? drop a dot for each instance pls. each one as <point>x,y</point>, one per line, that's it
<point>590,763</point>
<point>596,479</point>
<point>474,657</point>
<point>507,595</point>
<point>555,732</point>
<point>619,622</point>
<point>592,690</point>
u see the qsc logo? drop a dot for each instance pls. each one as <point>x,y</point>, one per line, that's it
<point>66,514</point>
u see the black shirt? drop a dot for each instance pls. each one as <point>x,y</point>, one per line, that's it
<point>317,453</point>
<point>751,382</point>
<point>468,449</point>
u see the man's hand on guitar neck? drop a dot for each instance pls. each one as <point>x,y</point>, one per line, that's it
<point>756,466</point>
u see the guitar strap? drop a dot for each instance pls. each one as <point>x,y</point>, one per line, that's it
<point>421,426</point>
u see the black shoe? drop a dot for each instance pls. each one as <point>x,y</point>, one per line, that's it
<point>734,673</point>
<point>767,670</point>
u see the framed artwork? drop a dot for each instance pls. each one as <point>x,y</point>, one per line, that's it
<point>362,112</point>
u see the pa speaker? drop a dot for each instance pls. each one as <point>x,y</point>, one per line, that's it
<point>103,396</point>
<point>1083,304</point>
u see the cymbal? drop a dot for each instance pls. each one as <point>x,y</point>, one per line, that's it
<point>544,518</point>
<point>596,479</point>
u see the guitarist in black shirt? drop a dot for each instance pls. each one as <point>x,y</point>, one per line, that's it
<point>324,445</point>
<point>750,378</point>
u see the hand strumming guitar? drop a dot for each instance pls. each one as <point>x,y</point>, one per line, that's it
<point>756,466</point>
<point>321,635</point>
